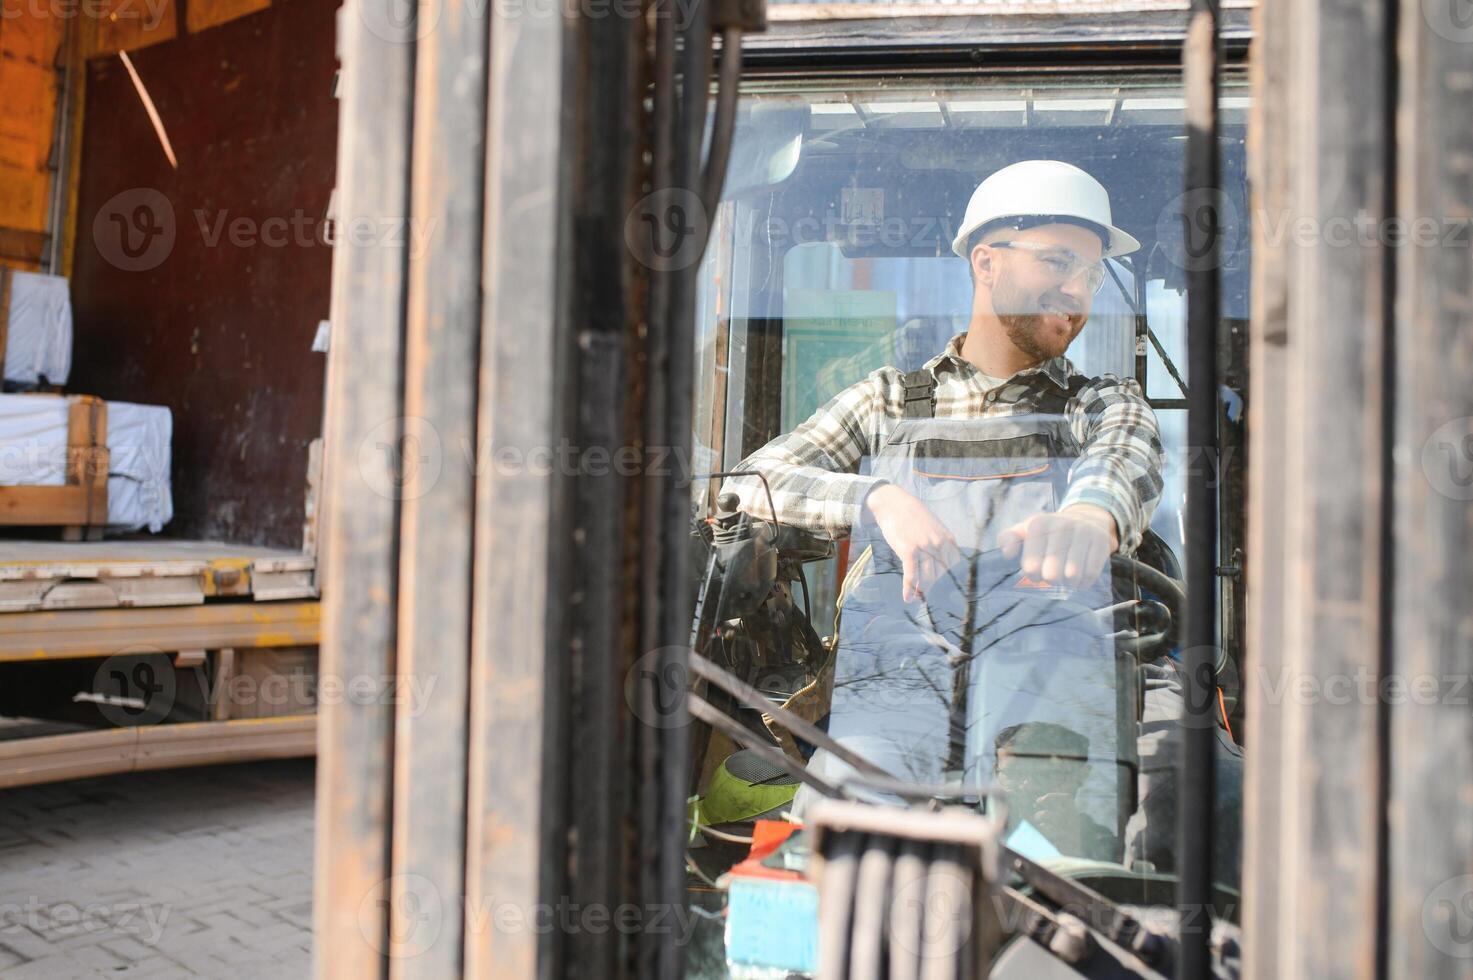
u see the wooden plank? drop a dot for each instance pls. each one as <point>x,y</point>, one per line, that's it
<point>1324,873</point>
<point>224,674</point>
<point>361,510</point>
<point>75,111</point>
<point>1269,135</point>
<point>48,574</point>
<point>508,835</point>
<point>88,462</point>
<point>29,41</point>
<point>45,506</point>
<point>1430,820</point>
<point>440,395</point>
<point>17,556</point>
<point>127,25</point>
<point>202,14</point>
<point>22,248</point>
<point>86,429</point>
<point>71,633</point>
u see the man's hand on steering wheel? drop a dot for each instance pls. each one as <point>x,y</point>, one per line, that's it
<point>924,546</point>
<point>1067,548</point>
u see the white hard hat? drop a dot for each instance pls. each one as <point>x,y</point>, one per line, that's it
<point>1042,189</point>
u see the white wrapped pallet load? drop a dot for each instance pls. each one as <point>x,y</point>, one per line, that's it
<point>38,344</point>
<point>140,444</point>
<point>33,452</point>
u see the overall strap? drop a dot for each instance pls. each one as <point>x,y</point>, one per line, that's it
<point>1054,402</point>
<point>920,394</point>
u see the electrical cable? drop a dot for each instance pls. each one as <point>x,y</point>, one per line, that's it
<point>723,123</point>
<point>722,835</point>
<point>696,870</point>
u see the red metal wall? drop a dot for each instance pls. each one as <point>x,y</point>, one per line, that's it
<point>216,322</point>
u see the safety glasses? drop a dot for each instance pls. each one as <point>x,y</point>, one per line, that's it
<point>1062,262</point>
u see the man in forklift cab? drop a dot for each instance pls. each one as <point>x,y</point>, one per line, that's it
<point>1035,236</point>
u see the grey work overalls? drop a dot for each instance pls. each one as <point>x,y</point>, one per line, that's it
<point>926,689</point>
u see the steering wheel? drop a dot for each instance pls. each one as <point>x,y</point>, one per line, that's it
<point>1166,610</point>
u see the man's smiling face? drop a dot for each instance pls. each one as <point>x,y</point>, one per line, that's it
<point>1041,311</point>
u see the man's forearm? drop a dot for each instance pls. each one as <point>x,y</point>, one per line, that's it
<point>1119,470</point>
<point>809,497</point>
<point>812,472</point>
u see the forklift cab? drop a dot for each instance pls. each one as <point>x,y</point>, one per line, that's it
<point>830,258</point>
<point>830,255</point>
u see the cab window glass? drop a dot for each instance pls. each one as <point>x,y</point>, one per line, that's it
<point>831,266</point>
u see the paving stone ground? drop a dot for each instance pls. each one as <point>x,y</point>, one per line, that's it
<point>188,873</point>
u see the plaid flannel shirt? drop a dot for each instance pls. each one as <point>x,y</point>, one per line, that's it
<point>813,471</point>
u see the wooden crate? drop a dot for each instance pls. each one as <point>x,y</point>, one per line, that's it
<point>80,505</point>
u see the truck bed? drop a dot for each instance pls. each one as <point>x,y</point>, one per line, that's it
<point>53,575</point>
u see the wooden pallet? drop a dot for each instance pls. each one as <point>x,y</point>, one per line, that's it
<point>36,575</point>
<point>80,505</point>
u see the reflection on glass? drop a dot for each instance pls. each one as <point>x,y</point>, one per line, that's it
<point>830,277</point>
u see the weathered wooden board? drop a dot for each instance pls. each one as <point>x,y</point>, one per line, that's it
<point>508,836</point>
<point>1430,819</point>
<point>1268,142</point>
<point>32,636</point>
<point>29,41</point>
<point>22,249</point>
<point>360,544</point>
<point>202,14</point>
<point>442,353</point>
<point>127,25</point>
<point>45,506</point>
<point>1323,628</point>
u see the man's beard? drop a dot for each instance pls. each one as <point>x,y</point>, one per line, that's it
<point>1026,329</point>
